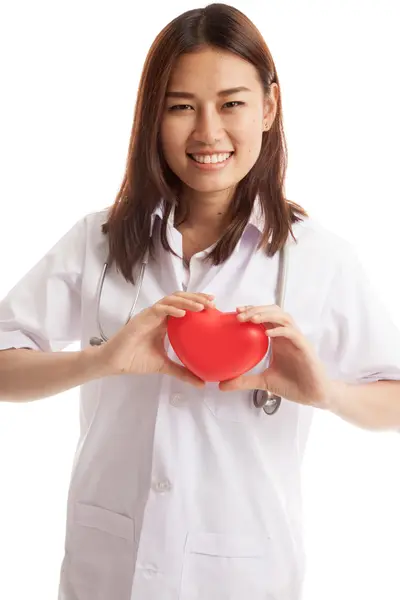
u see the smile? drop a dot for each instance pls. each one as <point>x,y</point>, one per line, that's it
<point>211,161</point>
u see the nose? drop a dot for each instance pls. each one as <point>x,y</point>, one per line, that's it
<point>208,127</point>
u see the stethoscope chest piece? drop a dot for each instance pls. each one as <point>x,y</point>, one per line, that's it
<point>267,401</point>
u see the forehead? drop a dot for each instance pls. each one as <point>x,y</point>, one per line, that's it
<point>212,69</point>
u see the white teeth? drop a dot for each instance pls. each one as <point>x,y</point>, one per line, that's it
<point>211,158</point>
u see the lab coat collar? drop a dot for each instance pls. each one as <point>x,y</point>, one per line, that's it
<point>257,218</point>
<point>158,213</point>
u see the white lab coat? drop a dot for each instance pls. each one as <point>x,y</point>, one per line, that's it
<point>185,494</point>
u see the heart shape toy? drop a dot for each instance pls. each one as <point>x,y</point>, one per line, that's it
<point>215,346</point>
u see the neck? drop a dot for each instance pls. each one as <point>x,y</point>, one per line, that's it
<point>208,211</point>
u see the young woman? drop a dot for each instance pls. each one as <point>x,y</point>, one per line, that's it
<point>185,489</point>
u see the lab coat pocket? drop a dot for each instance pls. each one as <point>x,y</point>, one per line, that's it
<point>100,554</point>
<point>227,567</point>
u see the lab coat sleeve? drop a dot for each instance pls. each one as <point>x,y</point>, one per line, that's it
<point>360,342</point>
<point>43,310</point>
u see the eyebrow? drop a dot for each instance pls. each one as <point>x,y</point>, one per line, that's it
<point>190,96</point>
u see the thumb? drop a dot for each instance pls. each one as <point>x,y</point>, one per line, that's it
<point>175,370</point>
<point>243,382</point>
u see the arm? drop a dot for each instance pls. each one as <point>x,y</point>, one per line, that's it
<point>374,406</point>
<point>30,375</point>
<point>360,346</point>
<point>43,313</point>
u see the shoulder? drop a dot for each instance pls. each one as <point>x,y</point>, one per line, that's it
<point>94,220</point>
<point>84,238</point>
<point>315,243</point>
<point>89,226</point>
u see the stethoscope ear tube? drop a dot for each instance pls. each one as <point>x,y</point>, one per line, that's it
<point>98,341</point>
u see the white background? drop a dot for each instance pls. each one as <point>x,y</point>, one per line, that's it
<point>69,77</point>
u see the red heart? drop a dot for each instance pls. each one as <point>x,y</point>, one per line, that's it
<point>214,345</point>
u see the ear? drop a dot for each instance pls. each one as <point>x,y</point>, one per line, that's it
<point>270,106</point>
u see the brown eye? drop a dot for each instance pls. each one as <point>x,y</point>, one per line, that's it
<point>178,107</point>
<point>233,104</point>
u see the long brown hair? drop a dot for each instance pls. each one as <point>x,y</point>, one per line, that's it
<point>148,179</point>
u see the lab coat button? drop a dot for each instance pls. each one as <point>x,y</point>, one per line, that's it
<point>163,486</point>
<point>149,572</point>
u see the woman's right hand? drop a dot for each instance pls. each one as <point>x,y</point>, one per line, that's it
<point>138,347</point>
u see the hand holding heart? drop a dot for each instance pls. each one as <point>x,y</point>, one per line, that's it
<point>224,346</point>
<point>215,346</point>
<point>295,371</point>
<point>138,347</point>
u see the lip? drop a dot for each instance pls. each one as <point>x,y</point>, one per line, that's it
<point>210,166</point>
<point>211,153</point>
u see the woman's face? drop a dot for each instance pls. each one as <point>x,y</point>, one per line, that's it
<point>213,121</point>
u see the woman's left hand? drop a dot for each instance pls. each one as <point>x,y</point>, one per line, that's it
<point>295,372</point>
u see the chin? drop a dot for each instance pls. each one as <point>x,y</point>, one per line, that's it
<point>212,185</point>
<point>212,189</point>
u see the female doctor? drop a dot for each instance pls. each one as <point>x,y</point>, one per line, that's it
<point>183,490</point>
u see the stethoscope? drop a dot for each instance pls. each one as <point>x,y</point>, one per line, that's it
<point>266,400</point>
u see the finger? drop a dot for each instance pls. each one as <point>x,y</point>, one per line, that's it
<point>195,296</point>
<point>175,370</point>
<point>241,309</point>
<point>164,310</point>
<point>180,303</point>
<point>266,314</point>
<point>272,309</point>
<point>289,333</point>
<point>244,382</point>
<point>249,309</point>
<point>190,303</point>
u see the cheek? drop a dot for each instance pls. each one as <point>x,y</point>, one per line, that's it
<point>173,141</point>
<point>249,142</point>
<point>173,147</point>
<point>247,130</point>
<point>166,138</point>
